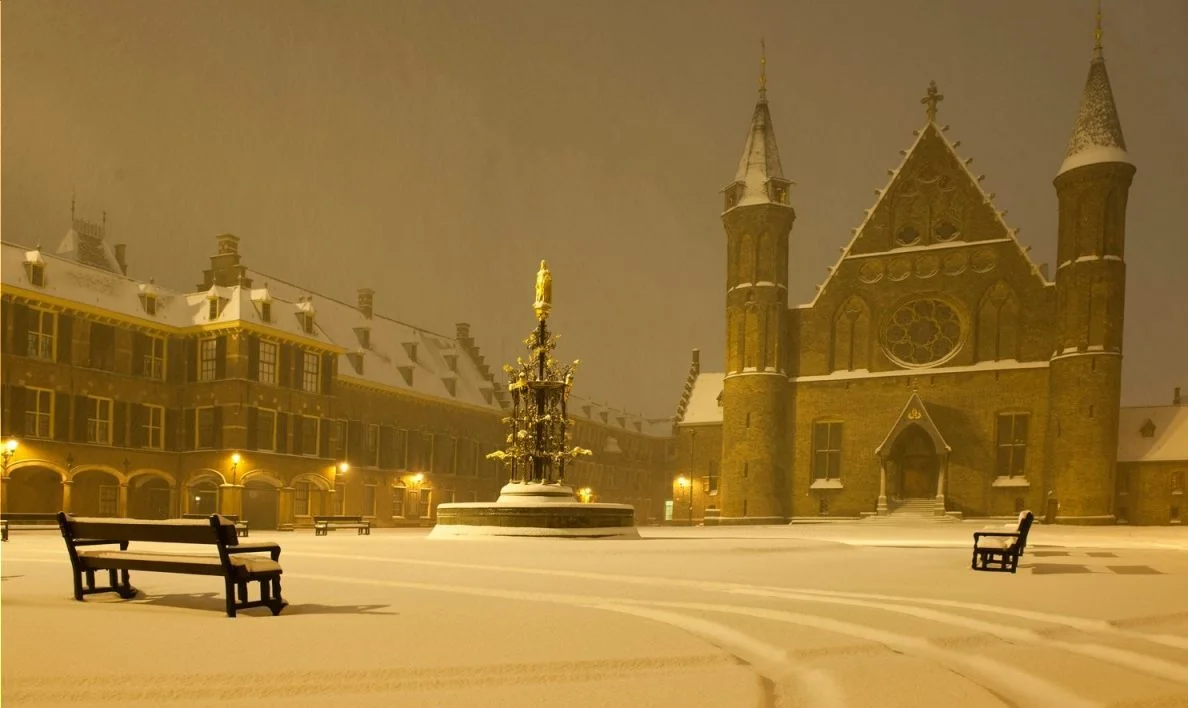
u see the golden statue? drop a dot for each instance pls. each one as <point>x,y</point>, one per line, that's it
<point>544,292</point>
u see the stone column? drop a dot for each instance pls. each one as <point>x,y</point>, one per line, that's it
<point>881,506</point>
<point>4,494</point>
<point>940,484</point>
<point>285,513</point>
<point>66,487</point>
<point>174,506</point>
<point>122,501</point>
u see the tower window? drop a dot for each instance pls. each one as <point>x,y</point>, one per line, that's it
<point>265,311</point>
<point>37,274</point>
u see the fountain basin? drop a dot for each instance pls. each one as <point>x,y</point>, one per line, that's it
<point>537,511</point>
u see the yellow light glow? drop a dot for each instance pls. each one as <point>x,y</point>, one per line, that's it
<point>418,477</point>
<point>682,481</point>
<point>344,466</point>
<point>235,458</point>
<point>11,445</point>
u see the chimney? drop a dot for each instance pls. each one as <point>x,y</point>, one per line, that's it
<point>121,256</point>
<point>1176,397</point>
<point>696,362</point>
<point>366,301</point>
<point>462,331</point>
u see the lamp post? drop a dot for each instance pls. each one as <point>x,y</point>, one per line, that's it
<point>235,458</point>
<point>685,482</point>
<point>341,468</point>
<point>10,448</point>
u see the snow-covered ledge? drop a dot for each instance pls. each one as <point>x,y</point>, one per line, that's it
<point>826,484</point>
<point>1010,482</point>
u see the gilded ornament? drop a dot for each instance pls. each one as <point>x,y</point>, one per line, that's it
<point>544,292</point>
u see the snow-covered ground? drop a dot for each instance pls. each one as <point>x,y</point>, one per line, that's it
<point>838,614</point>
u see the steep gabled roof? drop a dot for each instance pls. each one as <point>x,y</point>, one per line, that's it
<point>930,140</point>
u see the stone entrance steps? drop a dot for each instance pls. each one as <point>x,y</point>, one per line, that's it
<point>914,510</point>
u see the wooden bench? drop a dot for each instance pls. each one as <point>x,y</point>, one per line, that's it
<point>325,524</point>
<point>240,526</point>
<point>1000,550</point>
<point>33,521</point>
<point>236,568</point>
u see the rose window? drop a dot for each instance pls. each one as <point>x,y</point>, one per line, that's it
<point>922,332</point>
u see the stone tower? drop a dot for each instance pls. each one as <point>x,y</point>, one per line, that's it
<point>755,473</point>
<point>1085,376</point>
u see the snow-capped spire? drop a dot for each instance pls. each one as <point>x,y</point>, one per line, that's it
<point>760,177</point>
<point>1097,134</point>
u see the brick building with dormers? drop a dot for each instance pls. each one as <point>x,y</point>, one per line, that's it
<point>259,399</point>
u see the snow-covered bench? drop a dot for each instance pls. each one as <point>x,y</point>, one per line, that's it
<point>235,567</point>
<point>1000,550</point>
<point>240,526</point>
<point>42,520</point>
<point>325,524</point>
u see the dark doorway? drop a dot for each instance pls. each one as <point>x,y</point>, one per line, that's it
<point>260,502</point>
<point>34,490</point>
<point>917,464</point>
<point>148,498</point>
<point>202,498</point>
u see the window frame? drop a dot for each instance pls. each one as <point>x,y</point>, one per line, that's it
<point>311,372</point>
<point>306,437</point>
<point>97,424</point>
<point>154,361</point>
<point>271,445</point>
<point>832,451</point>
<point>36,415</point>
<point>198,428</point>
<point>1014,447</point>
<point>267,364</point>
<point>158,429</point>
<point>208,359</point>
<point>43,344</point>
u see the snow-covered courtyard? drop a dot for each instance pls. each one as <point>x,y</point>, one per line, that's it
<point>835,614</point>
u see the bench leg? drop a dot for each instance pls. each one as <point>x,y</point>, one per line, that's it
<point>271,591</point>
<point>243,595</point>
<point>78,588</point>
<point>230,586</point>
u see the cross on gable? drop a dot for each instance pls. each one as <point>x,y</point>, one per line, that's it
<point>930,101</point>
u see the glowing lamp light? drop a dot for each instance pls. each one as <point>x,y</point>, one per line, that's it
<point>344,466</point>
<point>235,458</point>
<point>10,446</point>
<point>418,477</point>
<point>682,481</point>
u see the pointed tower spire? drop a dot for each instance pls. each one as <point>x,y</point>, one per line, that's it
<point>760,176</point>
<point>1097,134</point>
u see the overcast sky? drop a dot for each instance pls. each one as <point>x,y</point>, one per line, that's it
<point>435,151</point>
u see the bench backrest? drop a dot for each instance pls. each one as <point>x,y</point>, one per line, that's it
<point>208,531</point>
<point>346,519</point>
<point>1025,519</point>
<point>48,517</point>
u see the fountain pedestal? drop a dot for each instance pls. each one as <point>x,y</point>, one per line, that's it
<point>535,510</point>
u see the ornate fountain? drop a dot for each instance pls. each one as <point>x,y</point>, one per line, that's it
<point>536,501</point>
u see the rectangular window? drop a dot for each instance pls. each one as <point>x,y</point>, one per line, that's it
<point>204,432</point>
<point>43,326</point>
<point>373,446</point>
<point>341,427</point>
<point>267,363</point>
<point>99,420</point>
<point>827,449</point>
<point>398,501</point>
<point>39,413</point>
<point>154,426</point>
<point>310,427</point>
<point>423,507</point>
<point>301,494</point>
<point>102,347</point>
<point>369,499</point>
<point>1012,444</point>
<point>208,359</point>
<point>266,430</point>
<point>154,358</point>
<point>311,372</point>
<point>109,500</point>
<point>711,480</point>
<point>340,499</point>
<point>265,311</point>
<point>1177,482</point>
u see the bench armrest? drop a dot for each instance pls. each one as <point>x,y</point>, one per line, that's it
<point>271,547</point>
<point>96,542</point>
<point>1014,534</point>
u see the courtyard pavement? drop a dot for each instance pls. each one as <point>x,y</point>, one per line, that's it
<point>836,614</point>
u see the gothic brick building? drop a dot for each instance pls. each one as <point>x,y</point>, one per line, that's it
<point>259,399</point>
<point>938,368</point>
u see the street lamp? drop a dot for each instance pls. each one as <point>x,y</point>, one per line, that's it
<point>10,449</point>
<point>235,458</point>
<point>418,478</point>
<point>684,482</point>
<point>586,494</point>
<point>341,468</point>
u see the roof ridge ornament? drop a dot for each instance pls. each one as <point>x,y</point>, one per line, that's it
<point>1097,53</point>
<point>762,68</point>
<point>930,100</point>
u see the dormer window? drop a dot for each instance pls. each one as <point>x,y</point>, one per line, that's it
<point>410,348</point>
<point>356,359</point>
<point>35,268</point>
<point>1148,429</point>
<point>150,304</point>
<point>307,322</point>
<point>213,309</point>
<point>265,311</point>
<point>148,298</point>
<point>364,335</point>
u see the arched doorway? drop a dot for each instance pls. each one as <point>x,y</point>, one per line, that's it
<point>150,497</point>
<point>95,492</point>
<point>202,497</point>
<point>261,504</point>
<point>916,464</point>
<point>33,489</point>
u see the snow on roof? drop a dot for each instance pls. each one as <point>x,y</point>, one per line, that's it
<point>703,402</point>
<point>760,162</point>
<point>1097,133</point>
<point>1169,443</point>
